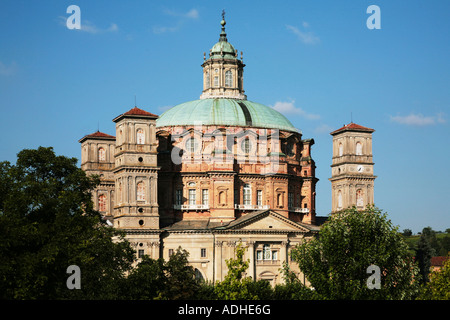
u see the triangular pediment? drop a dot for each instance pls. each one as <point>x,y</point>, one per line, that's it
<point>267,220</point>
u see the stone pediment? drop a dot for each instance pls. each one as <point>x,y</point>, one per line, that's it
<point>268,220</point>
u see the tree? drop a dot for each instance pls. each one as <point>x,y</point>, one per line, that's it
<point>180,277</point>
<point>424,252</point>
<point>235,285</point>
<point>292,288</point>
<point>407,232</point>
<point>157,279</point>
<point>439,286</point>
<point>47,223</point>
<point>336,262</point>
<point>430,236</point>
<point>146,281</point>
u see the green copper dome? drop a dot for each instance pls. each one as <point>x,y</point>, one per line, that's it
<point>228,112</point>
<point>223,49</point>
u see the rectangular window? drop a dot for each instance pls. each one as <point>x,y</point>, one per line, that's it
<point>267,252</point>
<point>178,197</point>
<point>140,253</point>
<point>170,252</point>
<point>216,81</point>
<point>205,196</point>
<point>191,196</point>
<point>203,252</point>
<point>274,255</point>
<point>247,194</point>
<point>259,198</point>
<point>290,200</point>
<point>259,255</point>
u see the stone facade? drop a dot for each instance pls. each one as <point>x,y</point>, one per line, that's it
<point>352,177</point>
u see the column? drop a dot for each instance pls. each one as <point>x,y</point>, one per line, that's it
<point>251,251</point>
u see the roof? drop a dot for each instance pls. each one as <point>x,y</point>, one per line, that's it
<point>139,112</point>
<point>223,49</point>
<point>352,127</point>
<point>136,113</point>
<point>228,112</point>
<point>97,135</point>
<point>438,261</point>
<point>241,223</point>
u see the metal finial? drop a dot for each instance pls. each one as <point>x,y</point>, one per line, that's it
<point>223,14</point>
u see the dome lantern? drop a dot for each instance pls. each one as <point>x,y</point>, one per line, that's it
<point>223,71</point>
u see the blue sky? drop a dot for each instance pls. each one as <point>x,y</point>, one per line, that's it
<point>315,61</point>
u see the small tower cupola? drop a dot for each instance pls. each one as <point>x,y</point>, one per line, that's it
<point>223,71</point>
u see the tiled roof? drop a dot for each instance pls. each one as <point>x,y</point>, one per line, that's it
<point>438,261</point>
<point>97,135</point>
<point>139,112</point>
<point>352,127</point>
<point>136,113</point>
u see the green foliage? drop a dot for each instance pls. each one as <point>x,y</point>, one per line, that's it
<point>163,280</point>
<point>235,286</point>
<point>180,277</point>
<point>336,262</point>
<point>146,281</point>
<point>439,286</point>
<point>438,241</point>
<point>47,223</point>
<point>407,232</point>
<point>292,288</point>
<point>424,252</point>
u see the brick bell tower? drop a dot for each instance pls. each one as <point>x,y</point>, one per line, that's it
<point>135,172</point>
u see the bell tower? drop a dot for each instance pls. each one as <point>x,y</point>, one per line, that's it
<point>135,171</point>
<point>352,176</point>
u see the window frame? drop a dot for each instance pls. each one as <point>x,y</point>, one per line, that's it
<point>140,136</point>
<point>247,194</point>
<point>192,196</point>
<point>140,191</point>
<point>228,78</point>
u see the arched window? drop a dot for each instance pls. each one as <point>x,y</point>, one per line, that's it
<point>198,275</point>
<point>246,146</point>
<point>140,137</point>
<point>102,203</point>
<point>101,154</point>
<point>222,197</point>
<point>207,80</point>
<point>341,149</point>
<point>280,199</point>
<point>140,191</point>
<point>228,79</point>
<point>290,149</point>
<point>247,194</point>
<point>191,145</point>
<point>339,206</point>
<point>359,149</point>
<point>359,198</point>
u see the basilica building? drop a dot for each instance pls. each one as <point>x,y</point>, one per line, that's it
<point>208,174</point>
